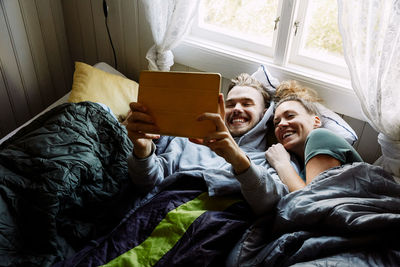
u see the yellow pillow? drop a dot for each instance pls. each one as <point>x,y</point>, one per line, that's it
<point>95,85</point>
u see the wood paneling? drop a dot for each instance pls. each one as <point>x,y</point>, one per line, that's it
<point>88,38</point>
<point>36,68</point>
<point>9,57</point>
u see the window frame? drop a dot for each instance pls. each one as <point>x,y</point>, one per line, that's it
<point>295,57</point>
<point>199,52</point>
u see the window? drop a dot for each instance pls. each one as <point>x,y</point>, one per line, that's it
<point>242,24</point>
<point>292,33</point>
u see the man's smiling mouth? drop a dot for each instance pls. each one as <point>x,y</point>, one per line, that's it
<point>240,120</point>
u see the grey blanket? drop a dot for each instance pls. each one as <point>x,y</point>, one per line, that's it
<point>348,216</point>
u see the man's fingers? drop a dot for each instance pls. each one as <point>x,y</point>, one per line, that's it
<point>221,106</point>
<point>135,106</point>
<point>196,141</point>
<point>214,117</point>
<point>143,128</point>
<point>141,117</point>
<point>138,135</point>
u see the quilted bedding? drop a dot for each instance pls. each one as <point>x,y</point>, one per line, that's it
<point>66,200</point>
<point>175,225</point>
<point>348,216</point>
<point>60,179</point>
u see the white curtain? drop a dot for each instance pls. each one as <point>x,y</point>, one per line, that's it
<point>371,40</point>
<point>169,21</point>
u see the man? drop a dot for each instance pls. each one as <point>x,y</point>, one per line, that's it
<point>230,159</point>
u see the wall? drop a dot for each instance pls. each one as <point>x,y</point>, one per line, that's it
<point>88,39</point>
<point>35,63</point>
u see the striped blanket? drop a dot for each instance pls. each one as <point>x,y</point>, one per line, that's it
<point>174,227</point>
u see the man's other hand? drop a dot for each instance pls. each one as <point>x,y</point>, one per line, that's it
<point>140,125</point>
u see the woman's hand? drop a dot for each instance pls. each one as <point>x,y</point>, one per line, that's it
<point>277,154</point>
<point>279,159</point>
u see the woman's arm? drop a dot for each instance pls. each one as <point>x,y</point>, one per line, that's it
<point>318,164</point>
<point>279,159</point>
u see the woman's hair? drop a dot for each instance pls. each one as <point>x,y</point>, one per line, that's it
<point>309,106</point>
<point>293,91</point>
<point>288,88</point>
<point>245,79</point>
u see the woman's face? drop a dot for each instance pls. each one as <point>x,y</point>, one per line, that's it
<point>293,124</point>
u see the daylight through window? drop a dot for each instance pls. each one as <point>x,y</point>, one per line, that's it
<point>303,33</point>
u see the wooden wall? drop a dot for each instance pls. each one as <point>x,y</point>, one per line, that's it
<point>35,63</point>
<point>88,39</point>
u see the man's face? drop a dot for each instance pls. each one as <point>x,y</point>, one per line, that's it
<point>244,108</point>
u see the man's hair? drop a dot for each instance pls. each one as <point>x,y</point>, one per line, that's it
<point>245,79</point>
<point>309,106</point>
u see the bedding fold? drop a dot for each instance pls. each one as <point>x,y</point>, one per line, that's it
<point>61,178</point>
<point>347,215</point>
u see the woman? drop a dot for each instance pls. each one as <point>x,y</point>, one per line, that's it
<point>296,124</point>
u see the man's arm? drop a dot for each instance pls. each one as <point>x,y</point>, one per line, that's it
<point>139,124</point>
<point>261,187</point>
<point>145,168</point>
<point>222,142</point>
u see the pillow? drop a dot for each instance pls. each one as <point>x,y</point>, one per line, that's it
<point>330,120</point>
<point>95,85</point>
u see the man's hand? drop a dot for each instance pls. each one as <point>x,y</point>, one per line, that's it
<point>222,142</point>
<point>139,124</point>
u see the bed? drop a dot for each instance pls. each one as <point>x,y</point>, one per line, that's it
<point>66,200</point>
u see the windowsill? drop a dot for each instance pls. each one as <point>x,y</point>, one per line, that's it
<point>208,56</point>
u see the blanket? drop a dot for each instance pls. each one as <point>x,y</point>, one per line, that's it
<point>62,179</point>
<point>177,224</point>
<point>348,216</point>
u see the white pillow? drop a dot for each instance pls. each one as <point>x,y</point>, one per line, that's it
<point>330,120</point>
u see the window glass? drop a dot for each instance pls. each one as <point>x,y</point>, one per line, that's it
<point>321,37</point>
<point>253,20</point>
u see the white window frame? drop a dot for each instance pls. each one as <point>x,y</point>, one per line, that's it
<point>338,68</point>
<point>206,52</point>
<point>218,36</point>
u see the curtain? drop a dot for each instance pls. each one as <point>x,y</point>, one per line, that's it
<point>370,31</point>
<point>169,21</point>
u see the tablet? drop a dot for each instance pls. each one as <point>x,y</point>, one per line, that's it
<point>176,99</point>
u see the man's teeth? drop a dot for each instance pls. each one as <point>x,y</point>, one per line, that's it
<point>238,120</point>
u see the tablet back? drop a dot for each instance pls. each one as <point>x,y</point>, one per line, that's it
<point>176,99</point>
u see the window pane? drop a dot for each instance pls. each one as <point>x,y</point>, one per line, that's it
<point>247,19</point>
<point>321,37</point>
